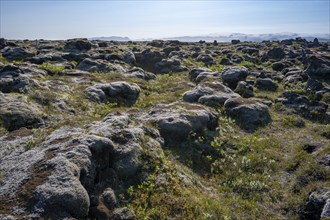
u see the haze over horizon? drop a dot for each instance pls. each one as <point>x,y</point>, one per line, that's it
<point>159,19</point>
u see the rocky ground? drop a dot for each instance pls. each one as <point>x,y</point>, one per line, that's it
<point>164,130</point>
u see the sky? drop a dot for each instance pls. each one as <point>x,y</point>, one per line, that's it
<point>59,19</point>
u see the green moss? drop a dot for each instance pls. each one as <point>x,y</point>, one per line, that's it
<point>101,110</point>
<point>216,67</point>
<point>52,69</point>
<point>3,60</point>
<point>248,65</point>
<point>165,88</point>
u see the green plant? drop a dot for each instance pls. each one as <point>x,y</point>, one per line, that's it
<point>216,67</point>
<point>38,137</point>
<point>292,121</point>
<point>18,62</point>
<point>279,107</point>
<point>165,88</point>
<point>191,62</point>
<point>326,98</point>
<point>43,97</point>
<point>52,69</point>
<point>74,63</point>
<point>103,110</point>
<point>130,46</point>
<point>298,87</point>
<point>296,45</point>
<point>3,60</point>
<point>247,64</point>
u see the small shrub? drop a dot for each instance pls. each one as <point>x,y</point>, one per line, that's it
<point>292,121</point>
<point>279,107</point>
<point>44,98</point>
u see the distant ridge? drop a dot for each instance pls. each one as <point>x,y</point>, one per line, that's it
<point>111,38</point>
<point>228,37</point>
<point>250,37</point>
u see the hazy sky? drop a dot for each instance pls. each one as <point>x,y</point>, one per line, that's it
<point>143,19</point>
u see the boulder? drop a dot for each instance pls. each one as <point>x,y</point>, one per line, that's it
<point>15,113</point>
<point>123,214</point>
<point>235,41</point>
<point>49,57</point>
<point>207,75</point>
<point>213,94</point>
<point>168,50</point>
<point>325,160</point>
<point>287,41</point>
<point>279,66</point>
<point>60,174</point>
<point>248,114</point>
<point>310,109</point>
<point>62,189</point>
<point>250,59</point>
<point>206,59</point>
<point>120,92</point>
<point>156,43</point>
<point>176,121</point>
<point>140,73</point>
<point>78,45</point>
<point>236,58</point>
<point>318,67</point>
<point>14,79</point>
<point>225,61</point>
<point>3,43</point>
<point>148,58</point>
<point>103,44</point>
<point>317,205</point>
<point>244,89</point>
<point>196,71</point>
<point>293,80</point>
<point>265,84</point>
<point>314,85</point>
<point>232,75</point>
<point>129,57</point>
<point>250,50</point>
<point>17,53</point>
<point>276,53</point>
<point>90,65</point>
<point>127,139</point>
<point>77,57</point>
<point>109,198</point>
<point>46,178</point>
<point>169,66</point>
<point>316,42</point>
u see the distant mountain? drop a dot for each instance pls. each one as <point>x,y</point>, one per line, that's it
<point>250,37</point>
<point>228,37</point>
<point>112,38</point>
